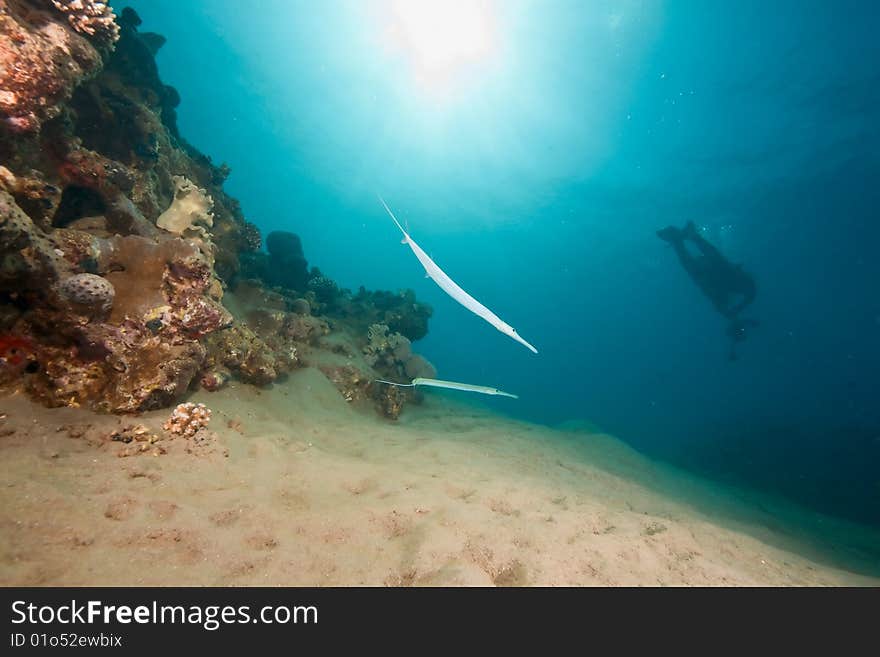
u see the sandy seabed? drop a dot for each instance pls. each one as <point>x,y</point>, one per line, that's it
<point>293,486</point>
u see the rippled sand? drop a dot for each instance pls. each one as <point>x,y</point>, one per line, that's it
<point>292,486</point>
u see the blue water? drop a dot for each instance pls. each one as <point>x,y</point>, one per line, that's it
<point>536,174</point>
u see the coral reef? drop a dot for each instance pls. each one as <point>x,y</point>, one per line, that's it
<point>391,399</point>
<point>400,312</point>
<point>118,244</point>
<point>42,60</point>
<point>95,19</point>
<point>252,241</point>
<point>125,338</point>
<point>352,383</point>
<point>187,419</point>
<point>30,259</point>
<point>284,268</point>
<point>88,291</point>
<point>239,350</point>
<point>115,306</point>
<point>268,339</point>
<point>391,355</point>
<point>323,292</point>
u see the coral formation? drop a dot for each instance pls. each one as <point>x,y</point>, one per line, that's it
<point>287,264</point>
<point>88,290</point>
<point>268,339</point>
<point>322,290</point>
<point>116,307</point>
<point>118,242</point>
<point>401,312</point>
<point>391,399</point>
<point>30,259</point>
<point>187,418</point>
<point>214,379</point>
<point>241,351</point>
<point>252,241</point>
<point>89,17</point>
<point>42,60</point>
<point>392,356</point>
<point>418,366</point>
<point>301,307</point>
<point>352,383</point>
<point>190,210</point>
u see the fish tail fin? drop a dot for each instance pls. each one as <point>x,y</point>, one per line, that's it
<point>391,214</point>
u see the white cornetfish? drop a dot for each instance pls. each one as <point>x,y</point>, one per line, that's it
<point>452,385</point>
<point>452,289</point>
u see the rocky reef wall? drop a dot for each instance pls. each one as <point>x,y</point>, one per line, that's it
<point>119,246</point>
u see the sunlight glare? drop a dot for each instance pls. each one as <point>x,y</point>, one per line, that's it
<point>442,38</point>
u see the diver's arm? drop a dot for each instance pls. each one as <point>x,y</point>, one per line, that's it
<point>748,295</point>
<point>707,249</point>
<point>687,261</point>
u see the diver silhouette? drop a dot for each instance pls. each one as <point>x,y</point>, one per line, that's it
<point>728,286</point>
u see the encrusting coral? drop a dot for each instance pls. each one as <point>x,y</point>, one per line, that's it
<point>42,60</point>
<point>241,351</point>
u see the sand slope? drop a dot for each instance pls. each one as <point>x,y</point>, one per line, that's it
<point>292,486</point>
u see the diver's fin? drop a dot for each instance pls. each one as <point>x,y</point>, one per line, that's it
<point>669,234</point>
